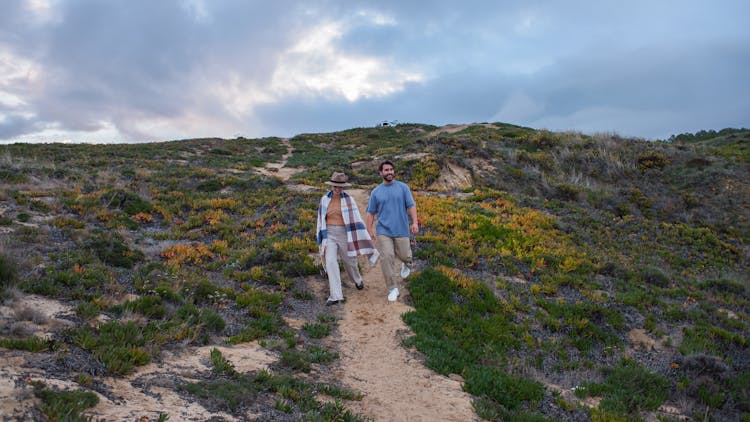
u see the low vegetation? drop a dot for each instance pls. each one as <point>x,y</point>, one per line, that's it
<point>615,268</point>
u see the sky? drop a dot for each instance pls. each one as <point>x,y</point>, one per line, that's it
<point>112,71</point>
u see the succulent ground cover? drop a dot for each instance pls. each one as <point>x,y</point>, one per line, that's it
<point>613,268</point>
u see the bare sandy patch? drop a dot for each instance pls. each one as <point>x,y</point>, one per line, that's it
<point>151,389</point>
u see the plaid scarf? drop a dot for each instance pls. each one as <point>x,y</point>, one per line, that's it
<point>358,241</point>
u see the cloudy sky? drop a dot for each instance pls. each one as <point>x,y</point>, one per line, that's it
<point>146,70</point>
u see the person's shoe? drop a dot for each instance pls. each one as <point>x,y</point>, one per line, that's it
<point>405,271</point>
<point>330,302</point>
<point>374,257</point>
<point>361,285</point>
<point>393,295</point>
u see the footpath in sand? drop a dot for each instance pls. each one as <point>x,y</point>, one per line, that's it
<point>395,383</point>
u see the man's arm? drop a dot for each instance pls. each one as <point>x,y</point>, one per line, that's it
<point>370,221</point>
<point>414,220</point>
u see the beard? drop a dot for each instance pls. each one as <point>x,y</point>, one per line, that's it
<point>388,177</point>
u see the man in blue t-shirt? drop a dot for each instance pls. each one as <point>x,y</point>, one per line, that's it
<point>393,205</point>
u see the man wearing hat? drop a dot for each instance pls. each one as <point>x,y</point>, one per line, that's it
<point>341,233</point>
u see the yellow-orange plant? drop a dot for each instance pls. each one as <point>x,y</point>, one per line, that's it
<point>256,272</point>
<point>220,246</point>
<point>213,217</point>
<point>489,221</point>
<point>104,215</point>
<point>221,203</point>
<point>203,171</point>
<point>142,217</point>
<point>180,254</point>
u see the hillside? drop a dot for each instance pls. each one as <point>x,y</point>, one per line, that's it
<point>560,276</point>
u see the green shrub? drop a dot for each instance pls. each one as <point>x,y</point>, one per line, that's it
<point>510,391</point>
<point>204,291</point>
<point>316,330</point>
<point>567,192</point>
<point>211,185</point>
<point>296,360</point>
<point>119,346</point>
<point>259,328</point>
<point>213,321</point>
<point>302,295</point>
<point>87,310</point>
<point>651,160</point>
<point>707,338</point>
<point>627,389</point>
<point>221,364</point>
<point>334,411</point>
<point>150,306</point>
<point>241,391</point>
<point>64,405</point>
<point>128,202</point>
<point>229,395</point>
<point>339,392</point>
<point>318,354</point>
<point>23,217</point>
<point>14,177</point>
<point>654,276</point>
<point>39,206</point>
<point>8,272</point>
<point>724,286</point>
<point>30,344</point>
<point>111,249</point>
<point>259,302</point>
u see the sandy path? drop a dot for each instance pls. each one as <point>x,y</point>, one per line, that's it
<point>397,387</point>
<point>395,384</point>
<point>280,169</point>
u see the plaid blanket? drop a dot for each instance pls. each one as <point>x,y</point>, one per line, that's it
<point>357,239</point>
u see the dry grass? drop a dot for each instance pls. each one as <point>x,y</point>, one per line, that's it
<point>26,313</point>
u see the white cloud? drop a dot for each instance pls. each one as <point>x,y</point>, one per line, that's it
<point>197,10</point>
<point>238,95</point>
<point>377,18</point>
<point>17,75</point>
<point>43,10</point>
<point>54,133</point>
<point>314,66</point>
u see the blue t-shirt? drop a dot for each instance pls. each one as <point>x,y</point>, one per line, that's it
<point>390,203</point>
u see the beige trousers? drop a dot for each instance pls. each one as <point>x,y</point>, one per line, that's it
<point>393,251</point>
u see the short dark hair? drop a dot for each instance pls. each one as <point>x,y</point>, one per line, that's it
<point>389,162</point>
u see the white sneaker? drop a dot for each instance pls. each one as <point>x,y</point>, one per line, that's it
<point>393,295</point>
<point>405,271</point>
<point>374,257</point>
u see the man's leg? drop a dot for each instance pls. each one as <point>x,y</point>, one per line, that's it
<point>388,261</point>
<point>403,250</point>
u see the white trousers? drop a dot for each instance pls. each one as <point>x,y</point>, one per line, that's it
<point>336,248</point>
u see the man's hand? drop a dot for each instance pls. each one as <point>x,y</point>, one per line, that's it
<point>414,228</point>
<point>370,224</point>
